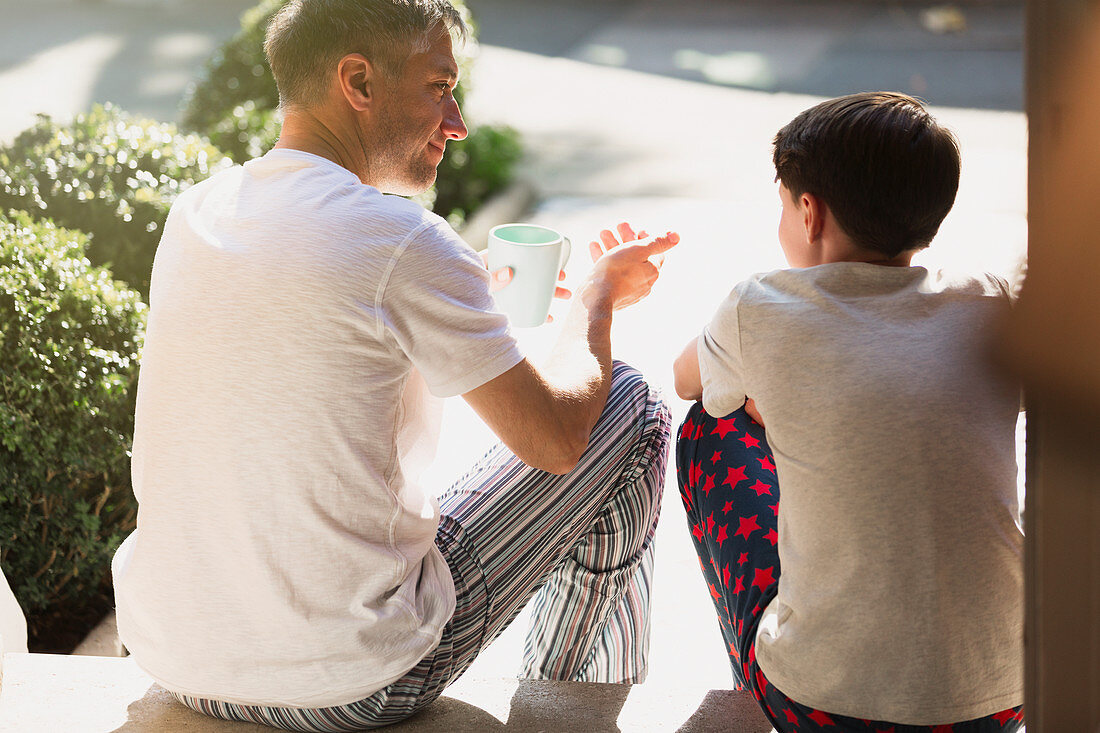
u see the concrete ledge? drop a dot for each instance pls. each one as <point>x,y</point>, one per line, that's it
<point>47,693</point>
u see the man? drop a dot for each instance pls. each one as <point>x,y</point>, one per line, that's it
<point>286,568</point>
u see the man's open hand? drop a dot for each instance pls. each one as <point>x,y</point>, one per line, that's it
<point>627,266</point>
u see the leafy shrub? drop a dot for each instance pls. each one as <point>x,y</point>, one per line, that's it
<point>110,175</point>
<point>69,342</point>
<point>234,104</point>
<point>473,169</point>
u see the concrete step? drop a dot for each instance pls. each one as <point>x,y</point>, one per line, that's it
<point>45,693</point>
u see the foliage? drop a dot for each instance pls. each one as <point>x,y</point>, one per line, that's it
<point>235,101</point>
<point>69,343</point>
<point>473,169</point>
<point>110,175</point>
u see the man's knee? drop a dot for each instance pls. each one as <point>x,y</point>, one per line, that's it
<point>638,415</point>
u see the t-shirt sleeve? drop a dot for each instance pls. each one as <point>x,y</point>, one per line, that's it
<point>721,367</point>
<point>436,304</point>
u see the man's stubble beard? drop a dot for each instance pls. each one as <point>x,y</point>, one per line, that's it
<point>403,167</point>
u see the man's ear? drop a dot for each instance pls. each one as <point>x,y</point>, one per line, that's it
<point>813,215</point>
<point>355,76</point>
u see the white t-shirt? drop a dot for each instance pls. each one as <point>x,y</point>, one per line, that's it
<point>901,593</point>
<point>284,554</point>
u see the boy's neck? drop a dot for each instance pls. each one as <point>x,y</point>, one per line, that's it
<point>847,252</point>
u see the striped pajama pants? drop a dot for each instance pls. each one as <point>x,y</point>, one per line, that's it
<point>579,546</point>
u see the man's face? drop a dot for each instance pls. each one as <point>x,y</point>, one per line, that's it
<point>415,117</point>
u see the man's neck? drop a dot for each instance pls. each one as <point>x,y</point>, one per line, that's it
<point>303,130</point>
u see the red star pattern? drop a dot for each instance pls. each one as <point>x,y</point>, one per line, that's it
<point>725,427</point>
<point>698,432</point>
<point>695,472</point>
<point>708,484</point>
<point>710,524</point>
<point>748,526</point>
<point>891,729</point>
<point>735,476</point>
<point>775,508</point>
<point>1004,716</point>
<point>743,559</point>
<point>821,718</point>
<point>749,441</point>
<point>728,507</point>
<point>791,717</point>
<point>772,536</point>
<point>722,536</point>
<point>763,579</point>
<point>943,729</point>
<point>766,464</point>
<point>740,585</point>
<point>726,576</point>
<point>716,457</point>
<point>714,592</point>
<point>761,682</point>
<point>761,488</point>
<point>697,531</point>
<point>686,430</point>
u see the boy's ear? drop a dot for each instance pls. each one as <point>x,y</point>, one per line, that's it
<point>813,215</point>
<point>354,76</point>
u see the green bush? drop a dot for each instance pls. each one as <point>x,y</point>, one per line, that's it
<point>108,174</point>
<point>234,103</point>
<point>69,343</point>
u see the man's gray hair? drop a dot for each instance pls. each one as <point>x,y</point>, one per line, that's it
<point>307,38</point>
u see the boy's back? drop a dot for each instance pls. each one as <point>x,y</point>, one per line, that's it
<point>884,585</point>
<point>894,448</point>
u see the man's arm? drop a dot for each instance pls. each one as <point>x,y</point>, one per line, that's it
<point>545,416</point>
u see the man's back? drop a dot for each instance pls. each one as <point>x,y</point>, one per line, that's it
<point>279,426</point>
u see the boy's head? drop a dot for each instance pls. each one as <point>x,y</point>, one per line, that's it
<point>886,170</point>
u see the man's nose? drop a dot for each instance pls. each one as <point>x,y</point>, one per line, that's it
<point>453,126</point>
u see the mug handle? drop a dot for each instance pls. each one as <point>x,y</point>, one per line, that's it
<point>566,250</point>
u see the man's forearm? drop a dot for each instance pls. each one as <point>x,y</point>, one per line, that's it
<point>579,367</point>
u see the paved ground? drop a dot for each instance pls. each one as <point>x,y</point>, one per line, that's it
<point>656,112</point>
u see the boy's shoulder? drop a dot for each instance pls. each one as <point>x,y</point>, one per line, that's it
<point>862,280</point>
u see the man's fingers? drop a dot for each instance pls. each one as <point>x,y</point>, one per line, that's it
<point>608,239</point>
<point>499,279</point>
<point>563,293</point>
<point>626,232</point>
<point>662,244</point>
<point>595,250</point>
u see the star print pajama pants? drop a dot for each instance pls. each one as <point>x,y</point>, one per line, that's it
<point>579,547</point>
<point>727,479</point>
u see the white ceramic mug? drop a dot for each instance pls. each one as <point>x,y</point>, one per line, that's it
<point>535,254</point>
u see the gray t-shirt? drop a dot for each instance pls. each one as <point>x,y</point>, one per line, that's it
<point>284,553</point>
<point>899,541</point>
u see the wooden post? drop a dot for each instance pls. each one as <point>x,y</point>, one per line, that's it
<point>1055,344</point>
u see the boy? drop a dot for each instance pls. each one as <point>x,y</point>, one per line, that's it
<point>900,600</point>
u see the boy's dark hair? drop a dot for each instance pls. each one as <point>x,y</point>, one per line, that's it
<point>307,38</point>
<point>881,163</point>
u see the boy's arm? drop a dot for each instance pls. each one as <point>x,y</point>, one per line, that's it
<point>689,380</point>
<point>685,370</point>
